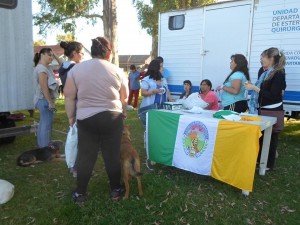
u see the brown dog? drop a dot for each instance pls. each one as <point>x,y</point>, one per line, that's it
<point>46,154</point>
<point>130,161</point>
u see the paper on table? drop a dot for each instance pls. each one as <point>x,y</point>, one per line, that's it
<point>195,109</point>
<point>232,117</point>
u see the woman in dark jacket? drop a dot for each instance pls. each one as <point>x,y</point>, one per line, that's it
<point>267,95</point>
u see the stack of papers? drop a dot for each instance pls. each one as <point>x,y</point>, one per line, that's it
<point>195,109</point>
<point>232,117</point>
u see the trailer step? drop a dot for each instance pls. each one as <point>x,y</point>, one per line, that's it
<point>14,131</point>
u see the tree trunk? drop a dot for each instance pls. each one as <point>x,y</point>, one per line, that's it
<point>110,27</point>
<point>154,51</point>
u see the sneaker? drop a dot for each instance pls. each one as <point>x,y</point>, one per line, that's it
<point>116,194</point>
<point>79,198</point>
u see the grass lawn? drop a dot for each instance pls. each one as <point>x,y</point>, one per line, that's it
<point>171,196</point>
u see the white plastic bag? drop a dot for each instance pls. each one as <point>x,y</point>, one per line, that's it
<point>71,146</point>
<point>194,100</point>
<point>6,191</point>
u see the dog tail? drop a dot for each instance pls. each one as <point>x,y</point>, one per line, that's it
<point>135,167</point>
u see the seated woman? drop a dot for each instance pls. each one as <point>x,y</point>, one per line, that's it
<point>233,95</point>
<point>187,86</point>
<point>154,89</point>
<point>208,95</point>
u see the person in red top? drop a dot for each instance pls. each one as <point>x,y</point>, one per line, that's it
<point>142,74</point>
<point>208,95</point>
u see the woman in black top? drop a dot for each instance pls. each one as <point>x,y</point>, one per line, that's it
<point>267,95</point>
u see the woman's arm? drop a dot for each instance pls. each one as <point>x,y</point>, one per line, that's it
<point>170,96</point>
<point>146,93</point>
<point>208,99</point>
<point>235,87</point>
<point>124,91</point>
<point>70,93</point>
<point>59,60</point>
<point>43,82</point>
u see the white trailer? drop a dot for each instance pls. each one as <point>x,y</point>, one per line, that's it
<point>16,58</point>
<point>197,43</point>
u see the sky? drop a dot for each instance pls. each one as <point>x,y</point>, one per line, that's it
<point>132,39</point>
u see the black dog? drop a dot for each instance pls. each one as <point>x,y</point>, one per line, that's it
<point>46,154</point>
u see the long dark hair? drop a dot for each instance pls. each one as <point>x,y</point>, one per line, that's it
<point>101,46</point>
<point>153,70</point>
<point>37,56</point>
<point>241,66</point>
<point>71,46</point>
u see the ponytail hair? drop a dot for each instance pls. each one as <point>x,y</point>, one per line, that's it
<point>279,60</point>
<point>101,47</point>
<point>71,46</point>
<point>37,56</point>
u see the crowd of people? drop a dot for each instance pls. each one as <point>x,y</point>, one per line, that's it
<point>97,94</point>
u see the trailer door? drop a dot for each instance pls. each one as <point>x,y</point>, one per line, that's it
<point>226,32</point>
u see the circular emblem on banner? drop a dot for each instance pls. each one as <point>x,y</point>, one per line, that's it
<point>195,139</point>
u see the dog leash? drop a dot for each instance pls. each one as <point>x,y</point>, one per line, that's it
<point>62,132</point>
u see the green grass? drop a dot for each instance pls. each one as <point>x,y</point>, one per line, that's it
<point>171,196</point>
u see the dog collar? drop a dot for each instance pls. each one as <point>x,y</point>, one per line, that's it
<point>51,146</point>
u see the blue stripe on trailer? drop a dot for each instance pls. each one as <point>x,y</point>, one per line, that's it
<point>288,95</point>
<point>179,88</point>
<point>292,96</point>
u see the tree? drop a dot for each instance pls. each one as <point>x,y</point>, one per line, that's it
<point>65,37</point>
<point>63,14</point>
<point>148,15</point>
<point>110,19</point>
<point>39,42</point>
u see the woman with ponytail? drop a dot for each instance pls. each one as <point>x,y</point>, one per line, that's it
<point>46,91</point>
<point>267,95</point>
<point>96,93</point>
<point>74,51</point>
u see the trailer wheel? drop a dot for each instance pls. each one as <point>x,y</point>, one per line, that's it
<point>6,122</point>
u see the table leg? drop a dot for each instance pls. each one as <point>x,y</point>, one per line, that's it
<point>265,151</point>
<point>245,193</point>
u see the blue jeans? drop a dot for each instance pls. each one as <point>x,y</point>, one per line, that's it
<point>45,124</point>
<point>143,111</point>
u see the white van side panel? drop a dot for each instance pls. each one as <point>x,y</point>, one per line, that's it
<point>227,32</point>
<point>277,24</point>
<point>181,49</point>
<point>16,58</point>
<point>272,24</point>
<point>185,51</point>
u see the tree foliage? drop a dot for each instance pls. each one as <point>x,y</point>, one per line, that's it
<point>148,14</point>
<point>65,37</point>
<point>39,42</point>
<point>63,14</point>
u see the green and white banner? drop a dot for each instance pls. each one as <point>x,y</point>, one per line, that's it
<point>222,149</point>
<point>194,145</point>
